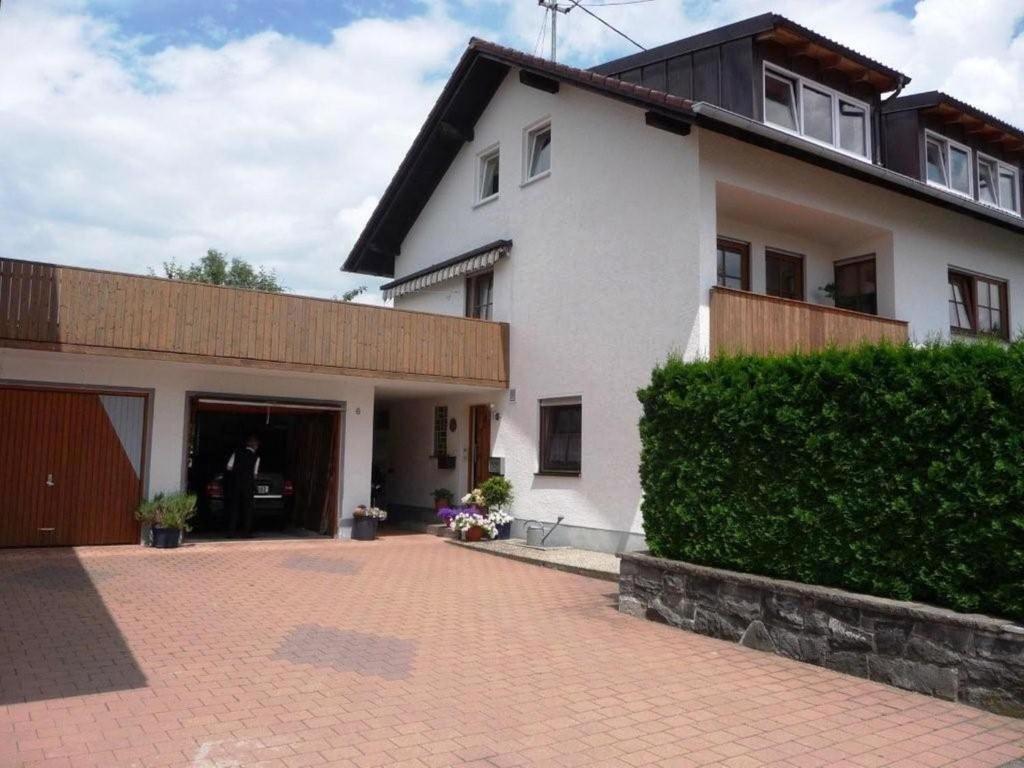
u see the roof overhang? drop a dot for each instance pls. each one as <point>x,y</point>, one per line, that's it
<point>975,122</point>
<point>797,39</point>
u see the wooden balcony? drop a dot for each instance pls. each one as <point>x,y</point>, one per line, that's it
<point>752,323</point>
<point>66,309</point>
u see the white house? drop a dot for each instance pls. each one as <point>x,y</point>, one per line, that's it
<point>553,234</point>
<point>727,190</point>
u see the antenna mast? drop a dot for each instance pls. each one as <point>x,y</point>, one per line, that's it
<point>555,8</point>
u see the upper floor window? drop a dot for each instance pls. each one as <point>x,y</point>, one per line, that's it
<point>488,175</point>
<point>733,264</point>
<point>816,112</point>
<point>978,304</point>
<point>998,184</point>
<point>784,275</point>
<point>480,295</point>
<point>538,152</point>
<point>948,164</point>
<point>855,286</point>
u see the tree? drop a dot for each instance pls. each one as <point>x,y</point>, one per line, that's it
<point>214,268</point>
<point>349,295</point>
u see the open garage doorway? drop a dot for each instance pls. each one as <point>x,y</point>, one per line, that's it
<point>299,453</point>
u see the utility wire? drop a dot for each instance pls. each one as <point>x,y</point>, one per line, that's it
<point>543,31</point>
<point>576,4</point>
<point>619,2</point>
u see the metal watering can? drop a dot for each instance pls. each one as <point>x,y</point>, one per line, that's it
<point>535,533</point>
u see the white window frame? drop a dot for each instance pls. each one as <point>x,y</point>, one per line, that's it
<point>529,134</point>
<point>971,164</point>
<point>481,165</point>
<point>800,83</point>
<point>1000,168</point>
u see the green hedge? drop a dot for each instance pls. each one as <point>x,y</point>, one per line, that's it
<point>894,471</point>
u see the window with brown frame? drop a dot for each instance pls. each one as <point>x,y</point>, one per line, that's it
<point>784,275</point>
<point>733,264</point>
<point>855,286</point>
<point>561,432</point>
<point>440,430</point>
<point>978,305</point>
<point>480,295</point>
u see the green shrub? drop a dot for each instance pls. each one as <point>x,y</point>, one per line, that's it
<point>892,470</point>
<point>170,510</point>
<point>497,492</point>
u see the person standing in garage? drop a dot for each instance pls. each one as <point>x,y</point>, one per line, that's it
<point>243,466</point>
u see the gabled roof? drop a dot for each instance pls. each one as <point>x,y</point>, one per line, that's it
<point>450,123</point>
<point>951,110</point>
<point>476,79</point>
<point>769,26</point>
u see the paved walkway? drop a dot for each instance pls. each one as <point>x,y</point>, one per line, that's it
<point>411,652</point>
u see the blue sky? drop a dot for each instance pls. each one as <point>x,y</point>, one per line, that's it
<point>140,131</point>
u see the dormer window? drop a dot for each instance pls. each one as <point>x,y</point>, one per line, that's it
<point>998,184</point>
<point>948,164</point>
<point>821,114</point>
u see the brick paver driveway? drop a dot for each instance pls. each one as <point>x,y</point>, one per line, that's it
<point>411,652</point>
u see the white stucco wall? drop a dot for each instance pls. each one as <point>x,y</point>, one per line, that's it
<point>170,381</point>
<point>600,286</point>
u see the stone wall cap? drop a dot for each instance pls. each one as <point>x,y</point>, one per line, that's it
<point>898,608</point>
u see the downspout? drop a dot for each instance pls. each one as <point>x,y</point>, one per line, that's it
<point>882,159</point>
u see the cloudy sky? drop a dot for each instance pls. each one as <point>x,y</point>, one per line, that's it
<point>137,131</point>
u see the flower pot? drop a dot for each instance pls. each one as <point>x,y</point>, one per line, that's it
<point>364,528</point>
<point>505,530</point>
<point>476,533</point>
<point>440,504</point>
<point>165,538</point>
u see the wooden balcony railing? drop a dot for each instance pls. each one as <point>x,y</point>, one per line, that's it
<point>752,323</point>
<point>43,306</point>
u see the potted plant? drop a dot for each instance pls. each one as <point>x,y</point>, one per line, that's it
<point>473,526</point>
<point>364,522</point>
<point>496,495</point>
<point>442,498</point>
<point>168,516</point>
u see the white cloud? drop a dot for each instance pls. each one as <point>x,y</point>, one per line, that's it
<point>268,147</point>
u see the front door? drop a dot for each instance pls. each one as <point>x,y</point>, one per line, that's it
<point>480,445</point>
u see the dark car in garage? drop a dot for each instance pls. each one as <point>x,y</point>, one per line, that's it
<point>272,504</point>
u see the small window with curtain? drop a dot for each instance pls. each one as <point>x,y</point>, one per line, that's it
<point>856,288</point>
<point>978,305</point>
<point>440,430</point>
<point>561,428</point>
<point>733,264</point>
<point>480,295</point>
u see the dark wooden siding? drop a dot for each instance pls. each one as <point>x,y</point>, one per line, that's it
<point>903,144</point>
<point>722,75</point>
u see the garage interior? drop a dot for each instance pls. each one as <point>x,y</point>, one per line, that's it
<point>299,458</point>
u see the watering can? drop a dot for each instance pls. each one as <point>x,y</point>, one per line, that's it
<point>535,533</point>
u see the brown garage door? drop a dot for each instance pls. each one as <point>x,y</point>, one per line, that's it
<point>70,467</point>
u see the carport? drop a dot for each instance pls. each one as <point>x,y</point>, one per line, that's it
<point>300,451</point>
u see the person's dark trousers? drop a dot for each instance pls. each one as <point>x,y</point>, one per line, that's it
<point>241,513</point>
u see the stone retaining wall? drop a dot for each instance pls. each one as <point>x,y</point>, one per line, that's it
<point>969,658</point>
